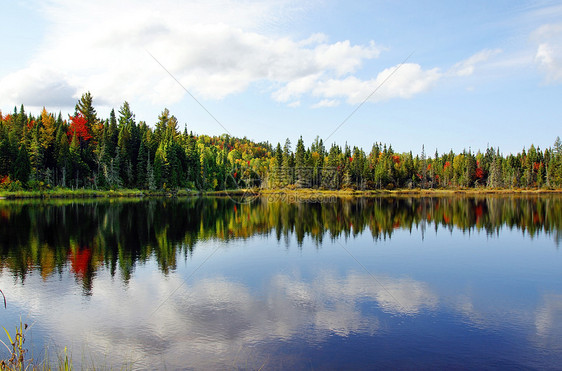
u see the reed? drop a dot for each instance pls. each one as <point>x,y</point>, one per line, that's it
<point>16,350</point>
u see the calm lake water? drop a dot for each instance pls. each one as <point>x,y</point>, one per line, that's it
<point>402,283</point>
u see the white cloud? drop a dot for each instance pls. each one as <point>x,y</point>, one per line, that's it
<point>466,67</point>
<point>327,103</point>
<point>406,81</point>
<point>342,57</point>
<point>296,88</point>
<point>214,48</point>
<point>37,86</point>
<point>549,51</point>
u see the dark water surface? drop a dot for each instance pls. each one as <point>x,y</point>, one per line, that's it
<point>407,283</point>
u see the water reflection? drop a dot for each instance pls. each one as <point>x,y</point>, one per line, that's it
<point>221,321</point>
<point>122,280</point>
<point>548,319</point>
<point>119,235</point>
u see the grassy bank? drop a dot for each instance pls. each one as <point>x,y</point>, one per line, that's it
<point>301,193</point>
<point>90,193</point>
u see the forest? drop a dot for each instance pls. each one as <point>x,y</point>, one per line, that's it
<point>84,151</point>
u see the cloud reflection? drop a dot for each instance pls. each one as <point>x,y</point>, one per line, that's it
<point>218,322</point>
<point>548,319</point>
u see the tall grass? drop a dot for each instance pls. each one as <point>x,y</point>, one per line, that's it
<point>18,360</point>
<point>16,350</point>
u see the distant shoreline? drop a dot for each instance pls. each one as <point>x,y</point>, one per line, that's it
<point>413,192</point>
<point>304,193</point>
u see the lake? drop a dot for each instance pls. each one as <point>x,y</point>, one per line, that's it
<point>217,283</point>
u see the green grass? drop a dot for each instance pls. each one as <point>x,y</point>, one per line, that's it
<point>303,193</point>
<point>19,358</point>
<point>58,193</point>
<point>90,193</point>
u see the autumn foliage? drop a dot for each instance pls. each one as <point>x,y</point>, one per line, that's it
<point>80,261</point>
<point>118,152</point>
<point>78,126</point>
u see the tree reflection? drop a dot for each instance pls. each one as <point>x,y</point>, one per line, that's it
<point>117,235</point>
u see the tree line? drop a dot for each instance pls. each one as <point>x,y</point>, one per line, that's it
<point>85,151</point>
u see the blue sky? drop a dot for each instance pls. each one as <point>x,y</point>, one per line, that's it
<point>445,74</point>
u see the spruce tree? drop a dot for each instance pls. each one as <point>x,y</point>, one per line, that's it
<point>22,167</point>
<point>301,178</point>
<point>86,107</point>
<point>142,164</point>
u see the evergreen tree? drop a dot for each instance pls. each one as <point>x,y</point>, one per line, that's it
<point>112,135</point>
<point>150,178</point>
<point>128,144</point>
<point>35,155</point>
<point>142,162</point>
<point>287,168</point>
<point>7,155</point>
<point>495,173</point>
<point>302,176</point>
<point>86,107</point>
<point>330,171</point>
<point>423,168</point>
<point>22,167</point>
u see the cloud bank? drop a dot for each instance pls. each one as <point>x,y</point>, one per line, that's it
<point>213,48</point>
<point>549,51</point>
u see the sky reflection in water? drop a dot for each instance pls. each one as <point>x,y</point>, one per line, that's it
<point>214,284</point>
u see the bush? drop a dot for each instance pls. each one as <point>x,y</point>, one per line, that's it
<point>6,184</point>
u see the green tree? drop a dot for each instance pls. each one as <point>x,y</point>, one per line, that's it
<point>495,172</point>
<point>302,175</point>
<point>22,167</point>
<point>86,107</point>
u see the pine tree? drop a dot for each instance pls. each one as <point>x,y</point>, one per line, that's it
<point>302,180</point>
<point>86,108</point>
<point>142,165</point>
<point>151,180</point>
<point>287,168</point>
<point>22,167</point>
<point>112,134</point>
<point>128,144</point>
<point>423,168</point>
<point>7,155</point>
<point>157,171</point>
<point>330,174</point>
<point>495,173</point>
<point>112,172</point>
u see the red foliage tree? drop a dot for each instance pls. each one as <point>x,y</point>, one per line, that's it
<point>78,125</point>
<point>479,173</point>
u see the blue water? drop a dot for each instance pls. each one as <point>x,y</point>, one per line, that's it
<point>419,299</point>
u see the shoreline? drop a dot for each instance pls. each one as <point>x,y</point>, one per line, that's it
<point>304,193</point>
<point>413,192</point>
